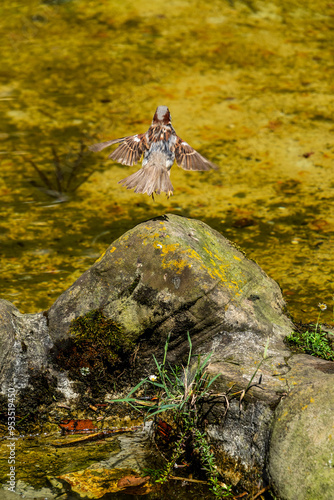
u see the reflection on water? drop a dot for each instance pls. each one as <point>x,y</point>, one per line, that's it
<point>248,84</point>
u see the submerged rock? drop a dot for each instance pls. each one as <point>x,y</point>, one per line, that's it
<point>165,277</point>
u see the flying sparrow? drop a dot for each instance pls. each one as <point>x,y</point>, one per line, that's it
<point>160,146</point>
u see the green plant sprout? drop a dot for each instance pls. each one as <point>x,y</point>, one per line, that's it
<point>256,384</point>
<point>208,462</point>
<point>180,389</point>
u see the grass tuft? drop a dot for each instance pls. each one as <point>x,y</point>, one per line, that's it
<point>313,339</point>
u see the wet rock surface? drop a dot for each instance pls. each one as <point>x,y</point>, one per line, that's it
<point>164,277</point>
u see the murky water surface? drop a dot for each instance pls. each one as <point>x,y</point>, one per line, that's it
<point>249,84</point>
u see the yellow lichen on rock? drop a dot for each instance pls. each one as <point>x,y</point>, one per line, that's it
<point>95,483</point>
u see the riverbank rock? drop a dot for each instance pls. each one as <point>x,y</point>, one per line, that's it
<point>301,456</point>
<point>166,277</point>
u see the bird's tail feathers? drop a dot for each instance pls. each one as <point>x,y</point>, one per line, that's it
<point>149,180</point>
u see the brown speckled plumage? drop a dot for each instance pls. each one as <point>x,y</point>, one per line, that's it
<point>159,146</point>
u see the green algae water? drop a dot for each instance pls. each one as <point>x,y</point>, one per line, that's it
<point>249,85</point>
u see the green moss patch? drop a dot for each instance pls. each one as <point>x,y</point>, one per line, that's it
<point>94,354</point>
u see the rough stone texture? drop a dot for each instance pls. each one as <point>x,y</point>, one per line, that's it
<point>255,419</point>
<point>171,275</point>
<point>301,458</point>
<point>24,345</point>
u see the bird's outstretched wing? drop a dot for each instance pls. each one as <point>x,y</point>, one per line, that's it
<point>129,151</point>
<point>189,159</point>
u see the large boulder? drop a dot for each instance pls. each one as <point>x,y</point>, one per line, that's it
<point>174,274</point>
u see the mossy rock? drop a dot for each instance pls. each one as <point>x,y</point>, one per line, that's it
<point>301,447</point>
<point>172,274</point>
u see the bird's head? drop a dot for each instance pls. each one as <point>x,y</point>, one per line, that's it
<point>161,116</point>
